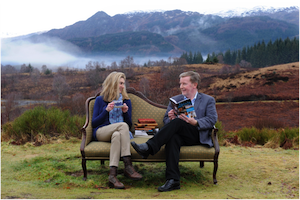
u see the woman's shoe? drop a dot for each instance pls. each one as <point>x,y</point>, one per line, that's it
<point>113,182</point>
<point>129,170</point>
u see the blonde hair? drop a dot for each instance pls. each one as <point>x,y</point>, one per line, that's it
<point>110,87</point>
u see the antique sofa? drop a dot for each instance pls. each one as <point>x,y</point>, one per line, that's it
<point>143,108</point>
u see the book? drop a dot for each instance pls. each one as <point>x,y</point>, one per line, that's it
<point>183,107</point>
<point>146,121</point>
<point>145,125</point>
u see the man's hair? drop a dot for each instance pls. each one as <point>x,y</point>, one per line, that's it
<point>110,87</point>
<point>194,77</point>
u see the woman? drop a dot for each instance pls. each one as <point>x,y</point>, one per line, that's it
<point>112,124</point>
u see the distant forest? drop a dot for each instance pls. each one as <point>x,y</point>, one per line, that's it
<point>259,55</point>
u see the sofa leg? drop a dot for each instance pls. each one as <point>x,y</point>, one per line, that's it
<point>83,163</point>
<point>201,164</point>
<point>215,172</point>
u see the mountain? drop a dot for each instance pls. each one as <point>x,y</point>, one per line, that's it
<point>175,31</point>
<point>285,14</point>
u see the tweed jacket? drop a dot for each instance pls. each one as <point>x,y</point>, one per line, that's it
<point>205,108</point>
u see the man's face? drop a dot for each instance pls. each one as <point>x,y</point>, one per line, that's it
<point>187,88</point>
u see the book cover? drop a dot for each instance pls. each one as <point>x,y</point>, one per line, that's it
<point>183,107</point>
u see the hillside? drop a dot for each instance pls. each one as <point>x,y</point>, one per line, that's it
<point>130,42</point>
<point>265,93</point>
<point>186,31</point>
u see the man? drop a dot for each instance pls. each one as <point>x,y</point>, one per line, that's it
<point>182,131</point>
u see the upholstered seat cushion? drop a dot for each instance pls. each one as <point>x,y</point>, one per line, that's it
<point>98,150</point>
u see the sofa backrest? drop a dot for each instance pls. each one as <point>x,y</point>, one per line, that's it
<point>142,107</point>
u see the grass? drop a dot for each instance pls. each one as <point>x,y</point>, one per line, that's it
<point>53,171</point>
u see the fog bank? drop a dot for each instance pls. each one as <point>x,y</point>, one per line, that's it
<point>54,53</point>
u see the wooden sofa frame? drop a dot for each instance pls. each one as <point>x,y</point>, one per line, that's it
<point>142,107</point>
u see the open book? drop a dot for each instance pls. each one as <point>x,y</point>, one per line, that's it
<point>183,107</point>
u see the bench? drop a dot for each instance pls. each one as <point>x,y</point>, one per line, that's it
<point>142,107</point>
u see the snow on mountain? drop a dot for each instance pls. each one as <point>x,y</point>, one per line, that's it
<point>258,10</point>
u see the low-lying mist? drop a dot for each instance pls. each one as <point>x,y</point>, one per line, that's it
<point>54,53</point>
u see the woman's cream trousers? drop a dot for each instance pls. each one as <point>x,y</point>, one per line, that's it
<point>118,135</point>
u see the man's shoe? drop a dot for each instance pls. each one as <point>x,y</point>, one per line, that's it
<point>169,186</point>
<point>141,149</point>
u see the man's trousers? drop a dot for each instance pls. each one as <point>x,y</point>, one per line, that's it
<point>175,134</point>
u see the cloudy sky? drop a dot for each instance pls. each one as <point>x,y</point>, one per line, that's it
<point>19,17</point>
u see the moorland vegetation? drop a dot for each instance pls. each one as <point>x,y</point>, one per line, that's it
<point>261,103</point>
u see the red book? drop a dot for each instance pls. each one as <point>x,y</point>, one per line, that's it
<point>143,121</point>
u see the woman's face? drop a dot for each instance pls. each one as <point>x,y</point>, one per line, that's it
<point>121,84</point>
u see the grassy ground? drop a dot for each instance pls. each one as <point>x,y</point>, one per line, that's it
<point>53,171</point>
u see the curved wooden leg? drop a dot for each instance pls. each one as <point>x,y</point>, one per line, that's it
<point>201,164</point>
<point>215,172</point>
<point>83,163</point>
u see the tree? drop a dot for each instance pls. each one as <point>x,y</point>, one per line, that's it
<point>60,87</point>
<point>127,62</point>
<point>114,65</point>
<point>35,76</point>
<point>11,109</point>
<point>215,60</point>
<point>144,86</point>
<point>208,59</point>
<point>77,108</point>
<point>227,57</point>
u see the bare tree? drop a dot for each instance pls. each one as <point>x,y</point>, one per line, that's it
<point>8,69</point>
<point>96,73</point>
<point>144,86</point>
<point>78,104</point>
<point>8,76</point>
<point>35,76</point>
<point>127,62</point>
<point>245,64</point>
<point>225,70</point>
<point>60,87</point>
<point>11,109</point>
<point>114,65</point>
<point>44,68</point>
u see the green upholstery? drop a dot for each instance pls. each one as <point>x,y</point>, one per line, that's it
<point>143,109</point>
<point>187,153</point>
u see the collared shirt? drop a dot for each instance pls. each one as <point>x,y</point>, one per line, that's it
<point>194,99</point>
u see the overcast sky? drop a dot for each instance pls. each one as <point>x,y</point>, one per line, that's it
<point>19,17</point>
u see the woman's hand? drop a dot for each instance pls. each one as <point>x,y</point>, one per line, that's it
<point>124,108</point>
<point>110,106</point>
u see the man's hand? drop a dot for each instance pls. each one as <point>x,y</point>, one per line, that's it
<point>191,121</point>
<point>171,114</point>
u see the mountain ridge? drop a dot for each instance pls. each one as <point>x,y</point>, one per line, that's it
<point>173,32</point>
